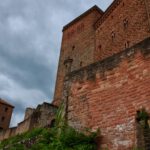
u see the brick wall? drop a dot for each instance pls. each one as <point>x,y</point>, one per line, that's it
<point>40,117</point>
<point>78,43</point>
<point>5,115</point>
<point>108,93</point>
<point>124,24</point>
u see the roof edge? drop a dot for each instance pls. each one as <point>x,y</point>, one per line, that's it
<point>6,103</point>
<point>95,7</point>
<point>108,11</point>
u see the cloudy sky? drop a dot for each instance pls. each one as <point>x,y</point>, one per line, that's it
<point>30,40</point>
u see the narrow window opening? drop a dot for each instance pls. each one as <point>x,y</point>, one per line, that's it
<point>1,128</point>
<point>81,63</point>
<point>3,118</point>
<point>127,44</point>
<point>66,66</point>
<point>113,35</point>
<point>73,47</point>
<point>6,109</point>
<point>125,23</point>
<point>99,47</point>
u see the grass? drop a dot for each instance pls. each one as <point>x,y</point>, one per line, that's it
<point>48,139</point>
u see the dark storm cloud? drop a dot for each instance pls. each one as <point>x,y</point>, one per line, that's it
<point>30,40</point>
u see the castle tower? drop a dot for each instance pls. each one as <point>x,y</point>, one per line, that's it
<point>96,35</point>
<point>77,49</point>
<point>5,114</point>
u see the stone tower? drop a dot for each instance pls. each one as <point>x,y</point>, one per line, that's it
<point>78,45</point>
<point>5,114</point>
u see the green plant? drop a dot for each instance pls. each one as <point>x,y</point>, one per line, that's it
<point>137,148</point>
<point>60,137</point>
<point>142,117</point>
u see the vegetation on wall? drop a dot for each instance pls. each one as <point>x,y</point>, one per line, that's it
<point>143,117</point>
<point>59,137</point>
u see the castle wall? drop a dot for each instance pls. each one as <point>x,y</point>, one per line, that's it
<point>40,117</point>
<point>107,95</point>
<point>23,126</point>
<point>123,25</point>
<point>28,112</point>
<point>78,43</point>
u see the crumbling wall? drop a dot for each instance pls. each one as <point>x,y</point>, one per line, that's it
<point>108,93</point>
<point>40,117</point>
<point>28,112</point>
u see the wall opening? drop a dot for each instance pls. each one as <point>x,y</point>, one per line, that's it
<point>3,118</point>
<point>6,109</point>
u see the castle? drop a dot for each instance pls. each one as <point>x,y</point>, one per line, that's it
<point>103,75</point>
<point>104,71</point>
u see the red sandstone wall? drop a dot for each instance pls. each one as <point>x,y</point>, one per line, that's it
<point>6,112</point>
<point>107,94</point>
<point>81,36</point>
<point>134,11</point>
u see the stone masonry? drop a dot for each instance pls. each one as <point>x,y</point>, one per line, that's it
<point>96,35</point>
<point>6,110</point>
<point>42,116</point>
<point>104,71</point>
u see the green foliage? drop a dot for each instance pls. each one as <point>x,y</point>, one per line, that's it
<point>137,149</point>
<point>143,117</point>
<point>70,139</point>
<point>60,137</point>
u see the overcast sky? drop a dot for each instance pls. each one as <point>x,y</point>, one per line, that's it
<point>30,40</point>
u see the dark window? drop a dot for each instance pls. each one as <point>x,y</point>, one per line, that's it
<point>6,109</point>
<point>66,66</point>
<point>125,23</point>
<point>113,35</point>
<point>53,123</point>
<point>81,63</point>
<point>3,118</point>
<point>1,128</point>
<point>99,47</point>
<point>73,47</point>
<point>127,44</point>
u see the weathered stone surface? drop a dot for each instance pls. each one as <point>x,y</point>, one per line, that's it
<point>110,102</point>
<point>42,116</point>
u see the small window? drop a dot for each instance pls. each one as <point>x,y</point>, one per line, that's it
<point>125,23</point>
<point>3,118</point>
<point>127,44</point>
<point>6,109</point>
<point>73,47</point>
<point>66,66</point>
<point>1,128</point>
<point>113,35</point>
<point>81,63</point>
<point>99,47</point>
